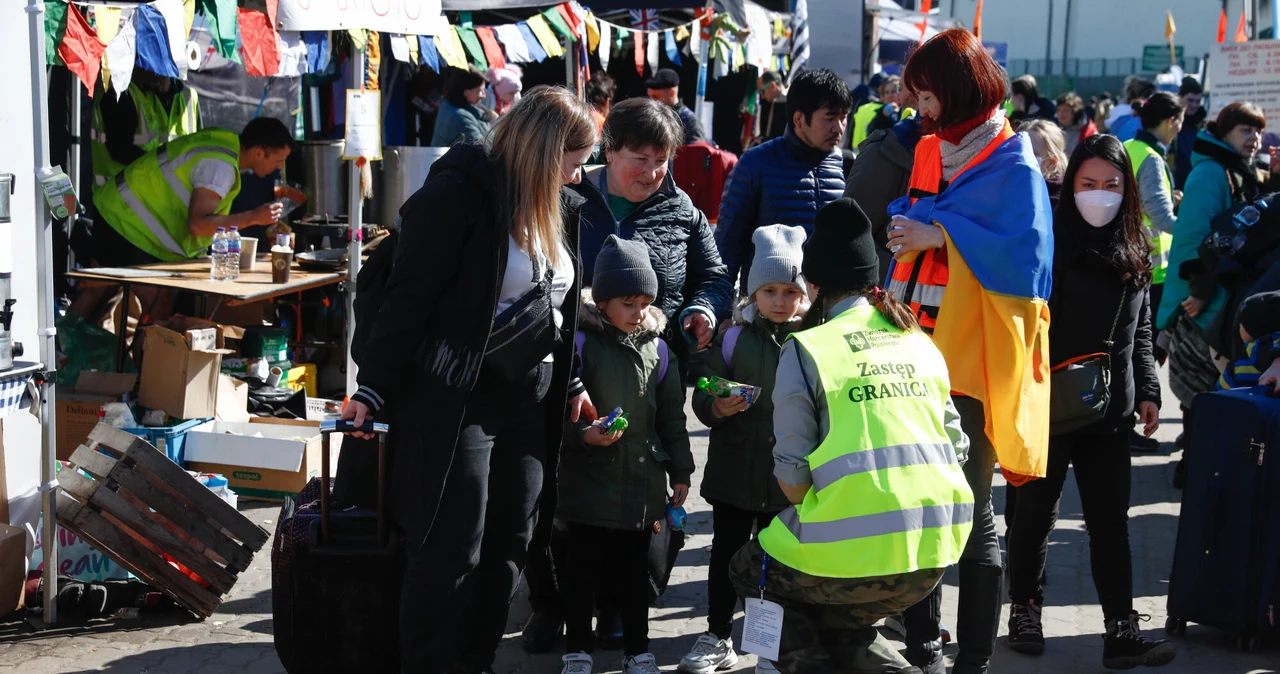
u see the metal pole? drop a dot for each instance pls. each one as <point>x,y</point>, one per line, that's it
<point>1066,35</point>
<point>1048,41</point>
<point>44,296</point>
<point>569,53</point>
<point>356,223</point>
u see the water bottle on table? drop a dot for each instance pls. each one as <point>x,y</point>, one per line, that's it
<point>218,255</point>
<point>233,255</point>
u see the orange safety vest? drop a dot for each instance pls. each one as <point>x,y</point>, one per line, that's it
<point>921,280</point>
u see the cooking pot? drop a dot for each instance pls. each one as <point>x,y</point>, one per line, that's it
<point>404,170</point>
<point>325,178</point>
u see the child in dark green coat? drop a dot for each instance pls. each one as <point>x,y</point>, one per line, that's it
<point>739,481</point>
<point>613,486</point>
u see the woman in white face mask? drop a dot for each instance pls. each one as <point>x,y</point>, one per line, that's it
<point>1100,304</point>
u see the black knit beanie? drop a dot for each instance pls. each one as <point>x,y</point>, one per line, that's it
<point>840,253</point>
<point>623,269</point>
<point>1260,314</point>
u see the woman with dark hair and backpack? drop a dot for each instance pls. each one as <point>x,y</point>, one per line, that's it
<point>1100,304</point>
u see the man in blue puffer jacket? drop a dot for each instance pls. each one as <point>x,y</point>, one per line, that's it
<point>786,181</point>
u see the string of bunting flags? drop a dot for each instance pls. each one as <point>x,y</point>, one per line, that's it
<point>92,39</point>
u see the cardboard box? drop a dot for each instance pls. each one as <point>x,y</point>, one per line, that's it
<point>181,380</point>
<point>13,567</point>
<point>226,336</point>
<point>270,467</point>
<point>233,400</point>
<point>77,407</point>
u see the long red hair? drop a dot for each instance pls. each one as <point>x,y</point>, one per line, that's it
<point>955,67</point>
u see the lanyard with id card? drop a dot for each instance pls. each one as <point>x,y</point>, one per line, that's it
<point>762,629</point>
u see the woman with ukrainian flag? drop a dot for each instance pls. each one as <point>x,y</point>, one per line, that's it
<point>973,247</point>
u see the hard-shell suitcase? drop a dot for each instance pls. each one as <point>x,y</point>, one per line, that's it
<point>335,578</point>
<point>1226,564</point>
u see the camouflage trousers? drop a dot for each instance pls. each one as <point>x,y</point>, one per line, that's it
<point>828,623</point>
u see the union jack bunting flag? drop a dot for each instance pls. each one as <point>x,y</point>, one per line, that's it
<point>644,19</point>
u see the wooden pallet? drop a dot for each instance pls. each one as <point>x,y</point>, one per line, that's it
<point>140,505</point>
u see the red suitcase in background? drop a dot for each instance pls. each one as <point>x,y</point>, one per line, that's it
<point>701,170</point>
<point>335,578</point>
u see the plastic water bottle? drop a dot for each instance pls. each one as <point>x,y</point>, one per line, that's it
<point>218,255</point>
<point>233,255</point>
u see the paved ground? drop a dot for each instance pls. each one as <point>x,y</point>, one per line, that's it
<point>238,638</point>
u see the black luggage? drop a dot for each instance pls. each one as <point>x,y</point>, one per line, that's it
<point>1226,564</point>
<point>335,579</point>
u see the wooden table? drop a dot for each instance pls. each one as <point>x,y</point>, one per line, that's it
<point>193,276</point>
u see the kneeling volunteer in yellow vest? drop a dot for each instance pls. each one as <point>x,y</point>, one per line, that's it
<point>868,449</point>
<point>167,205</point>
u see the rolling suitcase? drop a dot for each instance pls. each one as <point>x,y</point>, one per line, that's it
<point>1226,564</point>
<point>335,578</point>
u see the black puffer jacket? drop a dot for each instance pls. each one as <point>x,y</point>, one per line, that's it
<point>1086,294</point>
<point>681,245</point>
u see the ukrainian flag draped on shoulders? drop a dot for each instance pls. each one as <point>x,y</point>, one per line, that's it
<point>992,326</point>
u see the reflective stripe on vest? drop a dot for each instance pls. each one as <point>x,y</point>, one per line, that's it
<point>1161,242</point>
<point>888,494</point>
<point>170,167</point>
<point>871,460</point>
<point>140,211</point>
<point>879,524</point>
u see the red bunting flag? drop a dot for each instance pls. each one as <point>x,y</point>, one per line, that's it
<point>489,42</point>
<point>1222,26</point>
<point>258,43</point>
<point>570,18</point>
<point>639,36</point>
<point>925,7</point>
<point>977,21</point>
<point>81,49</point>
<point>1242,35</point>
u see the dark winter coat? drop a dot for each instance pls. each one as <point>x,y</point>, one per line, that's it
<point>681,245</point>
<point>1185,144</point>
<point>781,182</point>
<point>880,174</point>
<point>1084,302</point>
<point>425,348</point>
<point>624,486</point>
<point>739,470</point>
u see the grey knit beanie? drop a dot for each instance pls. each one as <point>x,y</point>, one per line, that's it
<point>623,269</point>
<point>779,254</point>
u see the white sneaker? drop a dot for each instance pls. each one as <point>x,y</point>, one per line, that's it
<point>709,654</point>
<point>576,663</point>
<point>765,667</point>
<point>644,663</point>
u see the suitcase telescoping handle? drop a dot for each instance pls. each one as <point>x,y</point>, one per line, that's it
<point>327,429</point>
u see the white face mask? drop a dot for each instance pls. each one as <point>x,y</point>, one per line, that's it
<point>1099,207</point>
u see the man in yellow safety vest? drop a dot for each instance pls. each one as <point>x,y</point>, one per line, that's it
<point>868,450</point>
<point>167,205</point>
<point>152,111</point>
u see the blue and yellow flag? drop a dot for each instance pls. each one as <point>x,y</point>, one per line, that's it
<point>993,324</point>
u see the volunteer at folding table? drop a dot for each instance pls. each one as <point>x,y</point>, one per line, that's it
<point>167,205</point>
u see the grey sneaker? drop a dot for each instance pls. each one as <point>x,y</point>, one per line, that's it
<point>576,663</point>
<point>710,653</point>
<point>644,663</point>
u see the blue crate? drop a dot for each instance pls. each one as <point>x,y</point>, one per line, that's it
<point>168,439</point>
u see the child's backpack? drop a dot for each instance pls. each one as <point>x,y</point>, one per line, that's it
<point>701,170</point>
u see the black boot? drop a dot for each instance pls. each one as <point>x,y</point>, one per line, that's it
<point>1140,443</point>
<point>1124,647</point>
<point>542,631</point>
<point>1026,634</point>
